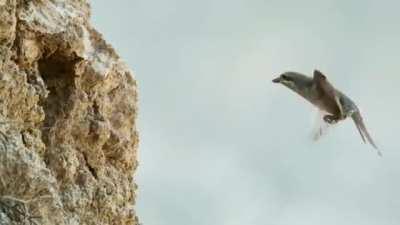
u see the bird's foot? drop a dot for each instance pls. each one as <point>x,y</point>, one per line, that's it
<point>330,119</point>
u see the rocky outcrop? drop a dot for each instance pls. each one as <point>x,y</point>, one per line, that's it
<point>68,105</point>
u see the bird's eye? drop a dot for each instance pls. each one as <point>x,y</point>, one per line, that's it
<point>285,77</point>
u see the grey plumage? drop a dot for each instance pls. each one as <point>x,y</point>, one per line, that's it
<point>318,91</point>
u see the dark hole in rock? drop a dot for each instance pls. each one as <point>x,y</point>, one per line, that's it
<point>57,72</point>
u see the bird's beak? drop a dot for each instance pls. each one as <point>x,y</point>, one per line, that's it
<point>277,80</point>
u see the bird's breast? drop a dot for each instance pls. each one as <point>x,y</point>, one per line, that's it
<point>324,103</point>
<point>328,105</point>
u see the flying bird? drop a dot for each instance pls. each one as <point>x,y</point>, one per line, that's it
<point>320,92</point>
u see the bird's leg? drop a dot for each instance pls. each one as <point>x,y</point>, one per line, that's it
<point>331,119</point>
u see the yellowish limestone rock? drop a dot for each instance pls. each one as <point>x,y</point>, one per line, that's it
<point>68,107</point>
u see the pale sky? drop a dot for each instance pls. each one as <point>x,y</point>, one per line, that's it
<point>221,144</point>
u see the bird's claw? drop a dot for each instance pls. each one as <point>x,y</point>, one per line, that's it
<point>330,119</point>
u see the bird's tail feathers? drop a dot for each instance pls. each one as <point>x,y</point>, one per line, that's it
<point>359,122</point>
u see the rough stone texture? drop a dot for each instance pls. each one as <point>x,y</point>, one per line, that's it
<point>68,139</point>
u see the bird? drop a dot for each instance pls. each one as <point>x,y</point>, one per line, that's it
<point>320,92</point>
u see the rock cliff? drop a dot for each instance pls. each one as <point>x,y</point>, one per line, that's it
<point>68,105</point>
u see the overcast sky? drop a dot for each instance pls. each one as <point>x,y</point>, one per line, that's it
<point>221,144</point>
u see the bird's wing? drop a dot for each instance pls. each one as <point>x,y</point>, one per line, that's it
<point>320,127</point>
<point>323,84</point>
<point>359,121</point>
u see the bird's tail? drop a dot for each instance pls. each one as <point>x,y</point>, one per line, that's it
<point>358,120</point>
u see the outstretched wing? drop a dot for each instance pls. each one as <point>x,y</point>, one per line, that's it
<point>358,120</point>
<point>327,88</point>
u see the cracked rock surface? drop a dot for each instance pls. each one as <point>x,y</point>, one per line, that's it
<point>68,106</point>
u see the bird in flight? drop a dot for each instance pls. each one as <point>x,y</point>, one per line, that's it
<point>335,105</point>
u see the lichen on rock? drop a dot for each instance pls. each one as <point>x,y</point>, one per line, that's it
<point>68,106</point>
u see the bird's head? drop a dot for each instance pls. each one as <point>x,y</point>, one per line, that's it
<point>294,81</point>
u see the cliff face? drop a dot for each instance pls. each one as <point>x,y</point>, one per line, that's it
<point>68,139</point>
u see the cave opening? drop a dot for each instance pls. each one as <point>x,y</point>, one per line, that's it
<point>58,74</point>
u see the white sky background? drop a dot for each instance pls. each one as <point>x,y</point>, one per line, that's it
<point>221,144</point>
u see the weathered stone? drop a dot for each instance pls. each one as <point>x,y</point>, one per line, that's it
<point>68,106</point>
